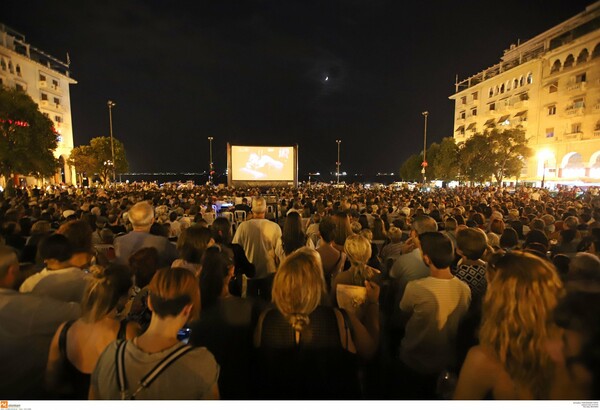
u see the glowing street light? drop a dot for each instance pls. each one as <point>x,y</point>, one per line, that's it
<point>338,163</point>
<point>111,104</point>
<point>424,164</point>
<point>210,166</point>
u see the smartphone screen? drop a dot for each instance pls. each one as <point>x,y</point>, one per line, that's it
<point>184,334</point>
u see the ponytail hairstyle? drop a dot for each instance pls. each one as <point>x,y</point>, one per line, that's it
<point>299,286</point>
<point>106,287</point>
<point>358,249</point>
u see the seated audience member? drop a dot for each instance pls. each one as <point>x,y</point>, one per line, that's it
<point>306,349</point>
<point>193,372</point>
<point>77,344</point>
<point>141,216</point>
<point>59,279</point>
<point>511,361</point>
<point>192,244</point>
<point>434,306</point>
<point>27,324</point>
<point>225,326</point>
<point>471,269</point>
<point>576,350</point>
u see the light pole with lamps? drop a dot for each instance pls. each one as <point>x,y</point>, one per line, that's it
<point>111,104</point>
<point>210,166</point>
<point>338,163</point>
<point>424,164</point>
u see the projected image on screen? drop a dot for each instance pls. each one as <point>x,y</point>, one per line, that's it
<point>262,163</point>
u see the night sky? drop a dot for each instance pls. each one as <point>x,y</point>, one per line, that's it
<point>253,72</point>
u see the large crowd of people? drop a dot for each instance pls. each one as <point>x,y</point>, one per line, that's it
<point>316,292</point>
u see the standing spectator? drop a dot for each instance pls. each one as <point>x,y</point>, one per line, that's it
<point>258,236</point>
<point>174,300</point>
<point>511,361</point>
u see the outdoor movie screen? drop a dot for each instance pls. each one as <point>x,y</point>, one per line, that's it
<point>262,163</point>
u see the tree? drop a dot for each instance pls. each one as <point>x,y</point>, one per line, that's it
<point>445,163</point>
<point>27,137</point>
<point>497,153</point>
<point>509,152</point>
<point>96,158</point>
<point>411,168</point>
<point>432,153</point>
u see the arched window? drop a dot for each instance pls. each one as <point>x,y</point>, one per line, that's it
<point>583,56</point>
<point>18,69</point>
<point>10,67</point>
<point>515,83</point>
<point>3,64</point>
<point>569,61</point>
<point>555,67</point>
<point>530,78</point>
<point>508,85</point>
<point>521,81</point>
<point>502,89</point>
<point>596,52</point>
<point>491,92</point>
<point>497,91</point>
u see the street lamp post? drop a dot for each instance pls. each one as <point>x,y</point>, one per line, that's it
<point>111,104</point>
<point>210,165</point>
<point>544,173</point>
<point>424,164</point>
<point>338,163</point>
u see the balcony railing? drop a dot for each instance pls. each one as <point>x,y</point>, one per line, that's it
<point>576,86</point>
<point>597,134</point>
<point>573,135</point>
<point>573,111</point>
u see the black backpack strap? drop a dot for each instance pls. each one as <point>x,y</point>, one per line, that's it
<point>149,378</point>
<point>62,338</point>
<point>120,362</point>
<point>122,333</point>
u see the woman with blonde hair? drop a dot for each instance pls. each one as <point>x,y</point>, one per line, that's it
<point>511,361</point>
<point>306,348</point>
<point>358,249</point>
<point>127,369</point>
<point>77,345</point>
<point>343,229</point>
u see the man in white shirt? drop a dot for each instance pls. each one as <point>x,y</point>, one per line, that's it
<point>435,304</point>
<point>258,236</point>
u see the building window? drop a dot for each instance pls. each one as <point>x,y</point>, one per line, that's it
<point>55,84</point>
<point>549,132</point>
<point>530,78</point>
<point>10,67</point>
<point>576,127</point>
<point>18,69</point>
<point>596,52</point>
<point>475,96</point>
<point>492,106</point>
<point>56,101</point>
<point>474,111</point>
<point>555,67</point>
<point>19,87</point>
<point>502,89</point>
<point>552,110</point>
<point>44,97</point>
<point>578,103</point>
<point>508,85</point>
<point>3,64</point>
<point>521,81</point>
<point>580,78</point>
<point>463,100</point>
<point>583,56</point>
<point>515,83</point>
<point>569,61</point>
<point>462,115</point>
<point>552,88</point>
<point>42,77</point>
<point>57,118</point>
